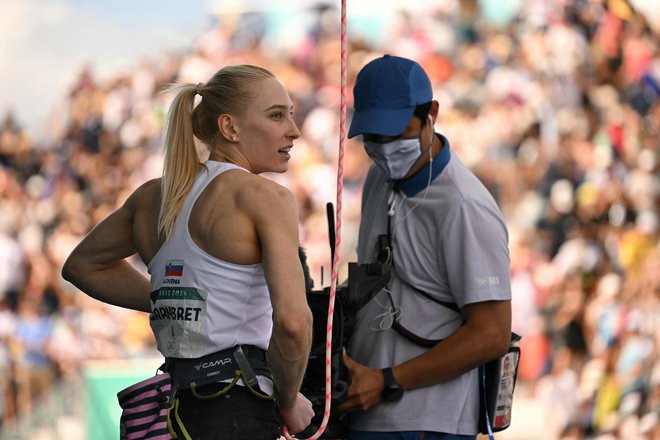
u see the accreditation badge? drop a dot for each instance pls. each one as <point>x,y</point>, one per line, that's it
<point>178,316</point>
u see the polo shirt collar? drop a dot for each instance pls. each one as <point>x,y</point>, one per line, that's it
<point>420,180</point>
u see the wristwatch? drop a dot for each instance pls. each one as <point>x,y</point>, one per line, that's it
<point>392,391</point>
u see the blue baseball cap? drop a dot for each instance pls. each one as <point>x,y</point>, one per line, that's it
<point>386,92</point>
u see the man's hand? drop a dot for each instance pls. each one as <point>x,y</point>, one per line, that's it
<point>298,416</point>
<point>365,389</point>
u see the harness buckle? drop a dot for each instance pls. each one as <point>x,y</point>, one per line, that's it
<point>249,376</point>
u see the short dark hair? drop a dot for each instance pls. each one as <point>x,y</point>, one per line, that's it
<point>422,111</point>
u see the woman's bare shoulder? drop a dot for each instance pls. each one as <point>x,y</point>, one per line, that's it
<point>147,192</point>
<point>245,185</point>
<point>255,189</point>
<point>150,186</point>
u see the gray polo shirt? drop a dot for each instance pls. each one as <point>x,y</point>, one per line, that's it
<point>451,242</point>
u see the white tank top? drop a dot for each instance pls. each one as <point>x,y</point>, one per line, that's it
<point>201,304</point>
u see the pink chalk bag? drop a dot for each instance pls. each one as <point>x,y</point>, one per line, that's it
<point>145,409</point>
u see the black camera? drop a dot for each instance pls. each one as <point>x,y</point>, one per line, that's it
<point>363,280</point>
<point>314,383</point>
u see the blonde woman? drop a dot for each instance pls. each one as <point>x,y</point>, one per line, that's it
<point>221,246</point>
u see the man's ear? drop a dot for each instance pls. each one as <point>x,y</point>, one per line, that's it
<point>434,110</point>
<point>227,127</point>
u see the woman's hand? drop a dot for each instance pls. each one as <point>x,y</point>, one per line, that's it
<point>297,417</point>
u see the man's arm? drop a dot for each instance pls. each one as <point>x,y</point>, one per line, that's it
<point>484,336</point>
<point>97,266</point>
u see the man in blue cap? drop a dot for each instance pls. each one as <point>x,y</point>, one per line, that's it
<point>446,309</point>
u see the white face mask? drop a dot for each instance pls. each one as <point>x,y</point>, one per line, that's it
<point>396,157</point>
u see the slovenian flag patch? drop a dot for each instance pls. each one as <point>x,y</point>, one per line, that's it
<point>174,268</point>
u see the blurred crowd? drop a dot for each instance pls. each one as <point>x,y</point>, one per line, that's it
<point>554,104</point>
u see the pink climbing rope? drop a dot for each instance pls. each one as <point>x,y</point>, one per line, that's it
<point>335,263</point>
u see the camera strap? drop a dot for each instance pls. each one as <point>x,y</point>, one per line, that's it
<point>424,342</point>
<point>386,255</point>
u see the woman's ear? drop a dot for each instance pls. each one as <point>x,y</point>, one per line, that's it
<point>227,128</point>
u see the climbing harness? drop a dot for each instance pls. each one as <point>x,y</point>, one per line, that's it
<point>150,406</point>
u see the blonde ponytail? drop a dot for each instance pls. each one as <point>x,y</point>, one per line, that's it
<point>181,160</point>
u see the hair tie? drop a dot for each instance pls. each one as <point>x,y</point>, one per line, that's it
<point>198,89</point>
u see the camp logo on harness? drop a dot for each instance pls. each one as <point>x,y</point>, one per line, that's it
<point>212,364</point>
<point>173,271</point>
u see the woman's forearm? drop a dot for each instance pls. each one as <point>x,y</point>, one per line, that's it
<point>120,284</point>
